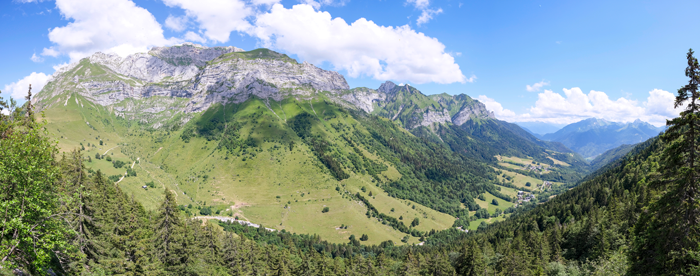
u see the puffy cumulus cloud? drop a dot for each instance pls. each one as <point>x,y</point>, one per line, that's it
<point>574,106</point>
<point>176,23</point>
<point>50,52</point>
<point>426,15</point>
<point>36,58</point>
<point>113,26</point>
<point>360,48</point>
<point>317,4</point>
<point>265,2</point>
<point>536,87</point>
<point>497,108</point>
<point>18,90</point>
<point>194,37</point>
<point>218,18</point>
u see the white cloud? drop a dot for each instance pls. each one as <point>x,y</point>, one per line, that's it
<point>536,87</point>
<point>317,4</point>
<point>193,37</point>
<point>218,18</point>
<point>420,4</point>
<point>265,2</point>
<point>112,26</point>
<point>426,15</point>
<point>574,106</point>
<point>5,111</point>
<point>176,23</point>
<point>50,52</point>
<point>360,48</point>
<point>18,90</point>
<point>36,58</point>
<point>497,108</point>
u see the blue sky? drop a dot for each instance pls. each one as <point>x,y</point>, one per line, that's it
<point>617,60</point>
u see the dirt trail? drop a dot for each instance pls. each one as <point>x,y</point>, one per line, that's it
<point>109,150</point>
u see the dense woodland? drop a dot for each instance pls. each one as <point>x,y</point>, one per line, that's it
<point>636,216</point>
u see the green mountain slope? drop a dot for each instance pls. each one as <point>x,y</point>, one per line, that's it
<point>588,228</point>
<point>259,136</point>
<point>610,156</point>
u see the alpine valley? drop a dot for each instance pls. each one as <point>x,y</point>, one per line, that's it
<point>257,136</point>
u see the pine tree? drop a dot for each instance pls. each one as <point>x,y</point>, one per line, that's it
<point>82,219</point>
<point>669,230</point>
<point>166,224</point>
<point>410,265</point>
<point>471,261</point>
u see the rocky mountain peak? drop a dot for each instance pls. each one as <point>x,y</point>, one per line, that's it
<point>190,53</point>
<point>188,78</point>
<point>386,87</point>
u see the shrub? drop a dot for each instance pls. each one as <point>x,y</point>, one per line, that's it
<point>325,210</point>
<point>494,202</point>
<point>205,211</point>
<point>153,185</point>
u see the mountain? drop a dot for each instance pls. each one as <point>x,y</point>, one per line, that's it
<point>540,128</point>
<point>610,156</point>
<point>593,136</point>
<point>257,135</point>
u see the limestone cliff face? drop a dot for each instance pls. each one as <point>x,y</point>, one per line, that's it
<point>200,76</point>
<point>475,111</point>
<point>152,87</point>
<point>414,109</point>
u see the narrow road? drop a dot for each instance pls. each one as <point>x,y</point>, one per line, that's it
<point>243,222</point>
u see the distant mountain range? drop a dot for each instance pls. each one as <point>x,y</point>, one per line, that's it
<point>540,128</point>
<point>592,137</point>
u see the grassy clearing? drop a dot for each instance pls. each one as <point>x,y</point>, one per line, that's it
<point>520,180</point>
<point>519,160</point>
<point>509,191</point>
<point>557,162</point>
<point>473,225</point>
<point>486,204</point>
<point>429,218</point>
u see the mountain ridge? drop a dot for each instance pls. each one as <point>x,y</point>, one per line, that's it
<point>593,136</point>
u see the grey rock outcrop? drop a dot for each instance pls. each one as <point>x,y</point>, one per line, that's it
<point>152,87</point>
<point>200,75</point>
<point>478,111</point>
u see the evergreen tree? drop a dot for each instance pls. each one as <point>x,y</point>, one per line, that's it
<point>669,229</point>
<point>166,224</point>
<point>471,261</point>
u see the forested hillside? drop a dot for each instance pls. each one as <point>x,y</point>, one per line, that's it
<point>325,165</point>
